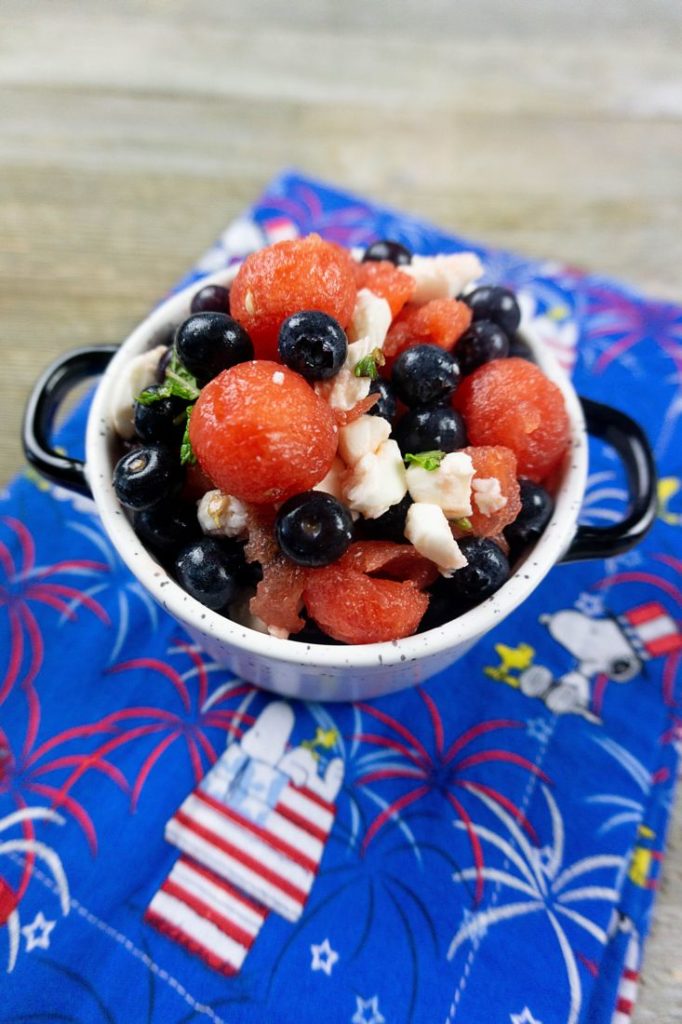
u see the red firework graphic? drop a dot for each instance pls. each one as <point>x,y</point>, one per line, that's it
<point>442,771</point>
<point>22,584</point>
<point>623,323</point>
<point>197,712</point>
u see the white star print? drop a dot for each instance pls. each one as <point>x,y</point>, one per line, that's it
<point>591,605</point>
<point>525,1017</point>
<point>363,1005</point>
<point>37,934</point>
<point>539,729</point>
<point>324,957</point>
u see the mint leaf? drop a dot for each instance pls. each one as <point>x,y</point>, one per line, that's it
<point>178,382</point>
<point>426,460</point>
<point>148,397</point>
<point>187,456</point>
<point>367,367</point>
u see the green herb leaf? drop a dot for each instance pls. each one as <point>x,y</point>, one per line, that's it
<point>367,367</point>
<point>178,382</point>
<point>463,524</point>
<point>426,460</point>
<point>148,397</point>
<point>187,456</point>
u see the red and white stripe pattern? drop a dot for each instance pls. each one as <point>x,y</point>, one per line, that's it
<point>208,916</point>
<point>274,863</point>
<point>629,980</point>
<point>651,630</point>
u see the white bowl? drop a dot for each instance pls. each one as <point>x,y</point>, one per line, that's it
<point>317,671</point>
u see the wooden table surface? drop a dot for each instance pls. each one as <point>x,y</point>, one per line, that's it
<point>130,133</point>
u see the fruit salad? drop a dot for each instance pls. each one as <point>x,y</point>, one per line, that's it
<point>342,447</point>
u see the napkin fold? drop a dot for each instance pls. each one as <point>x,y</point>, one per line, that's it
<point>177,845</point>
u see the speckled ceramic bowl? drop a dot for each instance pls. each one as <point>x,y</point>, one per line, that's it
<point>316,671</point>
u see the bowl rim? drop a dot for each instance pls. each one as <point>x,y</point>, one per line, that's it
<point>100,443</point>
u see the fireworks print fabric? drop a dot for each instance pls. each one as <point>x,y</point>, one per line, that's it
<point>176,846</point>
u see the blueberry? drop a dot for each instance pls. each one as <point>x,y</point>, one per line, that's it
<point>537,507</point>
<point>207,343</point>
<point>394,252</point>
<point>436,429</point>
<point>164,363</point>
<point>490,302</point>
<point>313,528</point>
<point>485,573</point>
<point>385,407</point>
<point>211,299</point>
<point>313,344</point>
<point>424,375</point>
<point>167,529</point>
<point>204,571</point>
<point>483,342</point>
<point>146,476</point>
<point>520,349</point>
<point>389,526</point>
<point>162,421</point>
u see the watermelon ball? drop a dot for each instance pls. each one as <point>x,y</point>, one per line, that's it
<point>275,282</point>
<point>490,302</point>
<point>497,464</point>
<point>261,433</point>
<point>483,342</point>
<point>385,280</point>
<point>440,321</point>
<point>207,343</point>
<point>394,252</point>
<point>313,344</point>
<point>424,375</point>
<point>313,528</point>
<point>511,403</point>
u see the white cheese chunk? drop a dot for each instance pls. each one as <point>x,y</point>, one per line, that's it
<point>442,277</point>
<point>137,375</point>
<point>362,436</point>
<point>427,528</point>
<point>221,515</point>
<point>371,319</point>
<point>488,496</point>
<point>449,486</point>
<point>344,390</point>
<point>332,483</point>
<point>377,481</point>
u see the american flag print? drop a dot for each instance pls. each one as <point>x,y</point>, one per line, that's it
<point>252,835</point>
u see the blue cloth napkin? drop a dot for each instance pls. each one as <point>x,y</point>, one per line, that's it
<point>176,845</point>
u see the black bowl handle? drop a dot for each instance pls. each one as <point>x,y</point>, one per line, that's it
<point>48,393</point>
<point>630,441</point>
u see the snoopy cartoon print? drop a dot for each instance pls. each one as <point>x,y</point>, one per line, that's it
<point>252,773</point>
<point>616,647</point>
